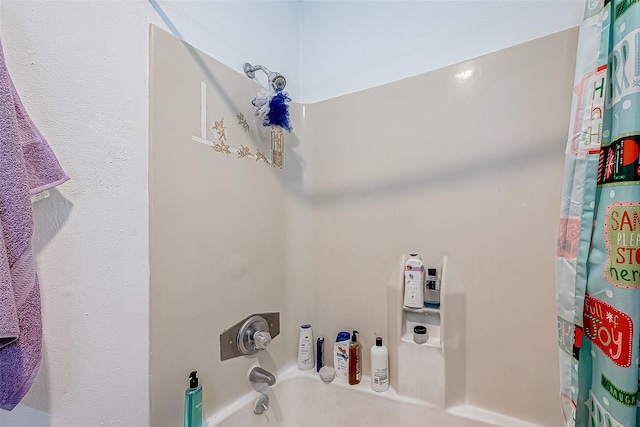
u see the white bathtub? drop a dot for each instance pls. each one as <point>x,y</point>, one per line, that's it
<point>302,399</point>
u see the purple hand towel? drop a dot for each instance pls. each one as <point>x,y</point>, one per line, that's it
<point>27,166</point>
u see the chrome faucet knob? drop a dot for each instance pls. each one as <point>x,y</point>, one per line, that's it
<point>261,339</point>
<point>254,335</point>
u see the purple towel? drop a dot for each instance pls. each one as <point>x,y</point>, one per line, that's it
<point>27,166</point>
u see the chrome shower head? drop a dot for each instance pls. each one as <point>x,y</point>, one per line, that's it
<point>276,80</point>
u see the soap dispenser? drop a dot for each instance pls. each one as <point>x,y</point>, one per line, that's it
<point>193,402</point>
<point>355,359</point>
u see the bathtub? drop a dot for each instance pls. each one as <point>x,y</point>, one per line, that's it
<point>300,398</point>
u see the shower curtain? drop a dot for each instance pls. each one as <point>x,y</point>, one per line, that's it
<point>598,253</point>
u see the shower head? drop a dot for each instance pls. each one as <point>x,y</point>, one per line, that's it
<point>276,80</point>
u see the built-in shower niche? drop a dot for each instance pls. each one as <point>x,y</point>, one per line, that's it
<point>427,317</point>
<point>432,371</point>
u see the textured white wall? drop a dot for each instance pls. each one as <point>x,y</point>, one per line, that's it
<point>82,71</point>
<point>81,68</point>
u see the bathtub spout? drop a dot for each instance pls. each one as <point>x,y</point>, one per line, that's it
<point>259,375</point>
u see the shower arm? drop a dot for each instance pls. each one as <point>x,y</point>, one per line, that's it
<point>276,80</point>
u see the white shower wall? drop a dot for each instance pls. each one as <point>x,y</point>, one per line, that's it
<point>465,161</point>
<point>81,68</point>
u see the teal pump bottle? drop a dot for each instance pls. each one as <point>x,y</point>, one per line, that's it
<point>193,402</point>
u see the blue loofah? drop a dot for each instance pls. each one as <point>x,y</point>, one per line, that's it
<point>279,111</point>
<point>273,108</point>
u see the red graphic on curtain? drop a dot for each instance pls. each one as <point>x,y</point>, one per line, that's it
<point>608,329</point>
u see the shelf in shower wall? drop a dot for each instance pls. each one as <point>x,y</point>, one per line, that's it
<point>426,316</point>
<point>433,339</point>
<point>423,310</point>
<point>421,372</point>
<point>430,317</point>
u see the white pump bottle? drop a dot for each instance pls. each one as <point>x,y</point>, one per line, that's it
<point>379,366</point>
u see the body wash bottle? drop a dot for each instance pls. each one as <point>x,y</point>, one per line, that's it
<point>305,348</point>
<point>193,402</point>
<point>355,359</point>
<point>414,282</point>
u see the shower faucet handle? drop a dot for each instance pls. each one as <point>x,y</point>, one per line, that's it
<point>249,335</point>
<point>254,335</point>
<point>261,339</point>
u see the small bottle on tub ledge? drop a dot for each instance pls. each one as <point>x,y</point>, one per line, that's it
<point>341,355</point>
<point>305,348</point>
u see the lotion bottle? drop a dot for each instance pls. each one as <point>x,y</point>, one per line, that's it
<point>355,359</point>
<point>193,402</point>
<point>379,366</point>
<point>306,359</point>
<point>414,282</point>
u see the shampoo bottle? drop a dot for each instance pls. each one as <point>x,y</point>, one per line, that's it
<point>379,366</point>
<point>414,282</point>
<point>355,359</point>
<point>341,354</point>
<point>193,402</point>
<point>306,359</point>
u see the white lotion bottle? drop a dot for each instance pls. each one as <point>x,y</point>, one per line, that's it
<point>379,366</point>
<point>414,282</point>
<point>306,359</point>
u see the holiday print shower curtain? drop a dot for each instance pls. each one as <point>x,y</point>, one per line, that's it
<point>598,253</point>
